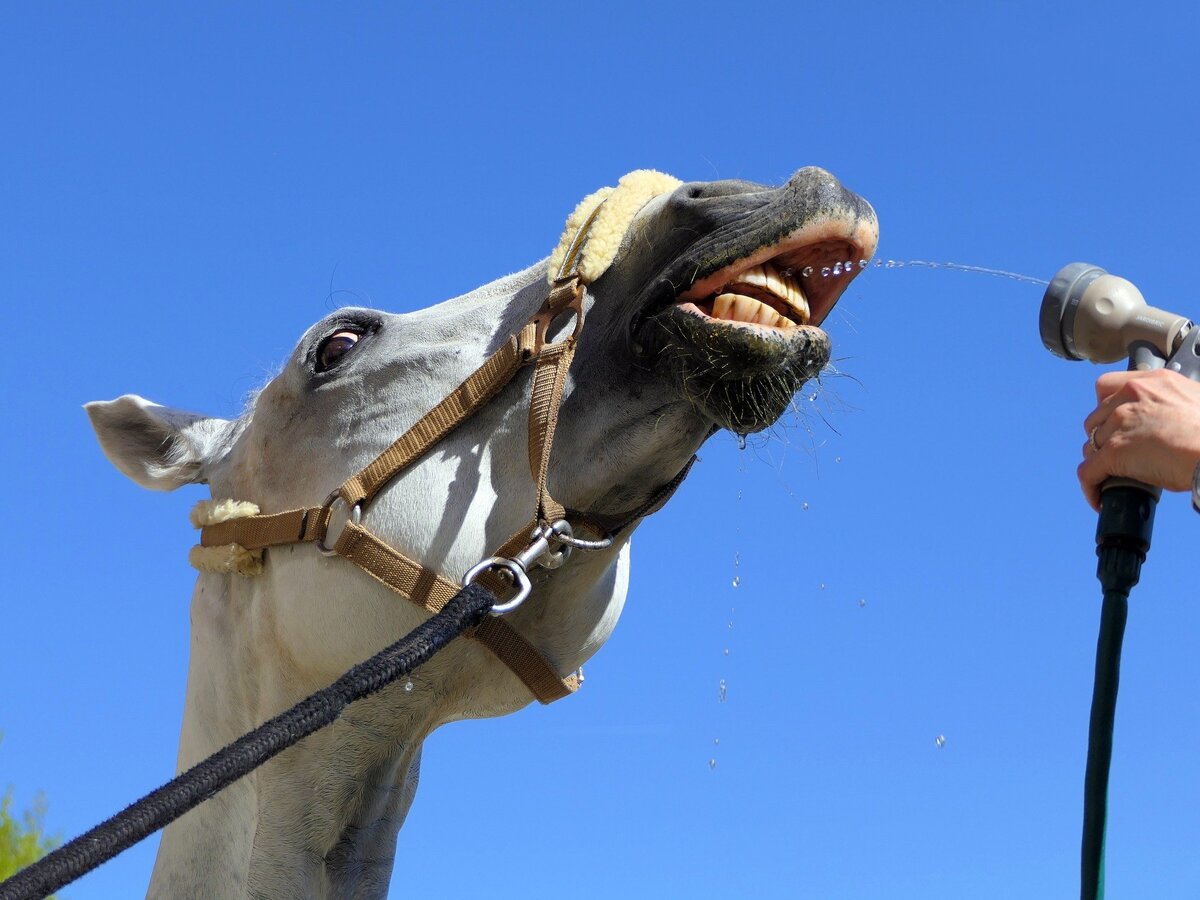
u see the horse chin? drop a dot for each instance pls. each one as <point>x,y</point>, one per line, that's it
<point>742,376</point>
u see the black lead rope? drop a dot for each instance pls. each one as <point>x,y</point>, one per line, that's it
<point>166,804</point>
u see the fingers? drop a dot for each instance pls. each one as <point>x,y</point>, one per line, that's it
<point>1111,382</point>
<point>1091,473</point>
<point>1114,391</point>
<point>1146,426</point>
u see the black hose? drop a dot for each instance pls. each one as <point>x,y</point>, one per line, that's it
<point>166,804</point>
<point>1100,739</point>
<point>1122,541</point>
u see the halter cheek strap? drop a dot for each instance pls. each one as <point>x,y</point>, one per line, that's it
<point>234,534</point>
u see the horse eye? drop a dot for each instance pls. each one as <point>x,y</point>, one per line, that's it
<point>334,347</point>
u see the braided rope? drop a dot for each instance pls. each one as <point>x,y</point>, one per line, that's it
<point>469,607</point>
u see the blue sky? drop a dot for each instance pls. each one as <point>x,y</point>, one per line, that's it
<point>186,190</point>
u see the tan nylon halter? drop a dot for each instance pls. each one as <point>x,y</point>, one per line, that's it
<point>407,577</point>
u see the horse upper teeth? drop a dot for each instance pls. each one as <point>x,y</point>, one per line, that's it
<point>736,307</point>
<point>768,277</point>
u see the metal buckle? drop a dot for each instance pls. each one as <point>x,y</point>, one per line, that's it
<point>355,516</point>
<point>514,570</point>
<point>517,568</point>
<point>548,315</point>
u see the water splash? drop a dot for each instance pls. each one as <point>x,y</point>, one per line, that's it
<point>960,267</point>
<point>848,266</point>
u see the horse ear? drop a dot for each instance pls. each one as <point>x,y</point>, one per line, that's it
<point>158,447</point>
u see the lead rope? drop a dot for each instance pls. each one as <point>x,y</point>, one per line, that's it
<point>468,608</point>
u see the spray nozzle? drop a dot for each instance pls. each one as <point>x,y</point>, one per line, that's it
<point>1089,314</point>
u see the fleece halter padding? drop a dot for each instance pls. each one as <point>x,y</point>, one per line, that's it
<point>228,558</point>
<point>612,222</point>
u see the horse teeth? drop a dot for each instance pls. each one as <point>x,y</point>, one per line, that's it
<point>740,308</point>
<point>787,289</point>
<point>736,308</point>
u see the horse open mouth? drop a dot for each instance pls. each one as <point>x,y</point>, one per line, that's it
<point>794,288</point>
<point>742,339</point>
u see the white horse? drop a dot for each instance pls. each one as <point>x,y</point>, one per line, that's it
<point>701,312</point>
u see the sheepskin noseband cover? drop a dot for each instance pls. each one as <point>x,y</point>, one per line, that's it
<point>604,238</point>
<point>230,558</point>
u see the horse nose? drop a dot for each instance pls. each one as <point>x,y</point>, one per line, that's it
<point>814,180</point>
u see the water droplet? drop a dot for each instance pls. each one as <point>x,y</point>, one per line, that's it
<point>940,740</point>
<point>804,505</point>
<point>737,559</point>
<point>806,272</point>
<point>726,651</point>
<point>730,626</point>
<point>739,495</point>
<point>863,263</point>
<point>737,579</point>
<point>822,585</point>
<point>408,686</point>
<point>837,269</point>
<point>837,459</point>
<point>716,742</point>
<point>812,398</point>
<point>722,691</point>
<point>891,264</point>
<point>741,442</point>
<point>862,602</point>
<point>712,764</point>
<point>824,271</point>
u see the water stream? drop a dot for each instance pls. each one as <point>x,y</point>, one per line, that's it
<point>850,265</point>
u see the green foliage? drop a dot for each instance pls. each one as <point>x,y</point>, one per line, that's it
<point>22,840</point>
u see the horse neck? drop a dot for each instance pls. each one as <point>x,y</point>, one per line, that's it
<point>320,819</point>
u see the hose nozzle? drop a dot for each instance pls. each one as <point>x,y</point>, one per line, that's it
<point>1089,314</point>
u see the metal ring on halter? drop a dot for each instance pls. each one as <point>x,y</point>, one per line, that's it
<point>555,532</point>
<point>515,571</point>
<point>582,544</point>
<point>355,516</point>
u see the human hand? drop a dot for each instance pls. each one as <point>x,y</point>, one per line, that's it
<point>1146,426</point>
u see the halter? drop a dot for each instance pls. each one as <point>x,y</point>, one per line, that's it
<point>234,533</point>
